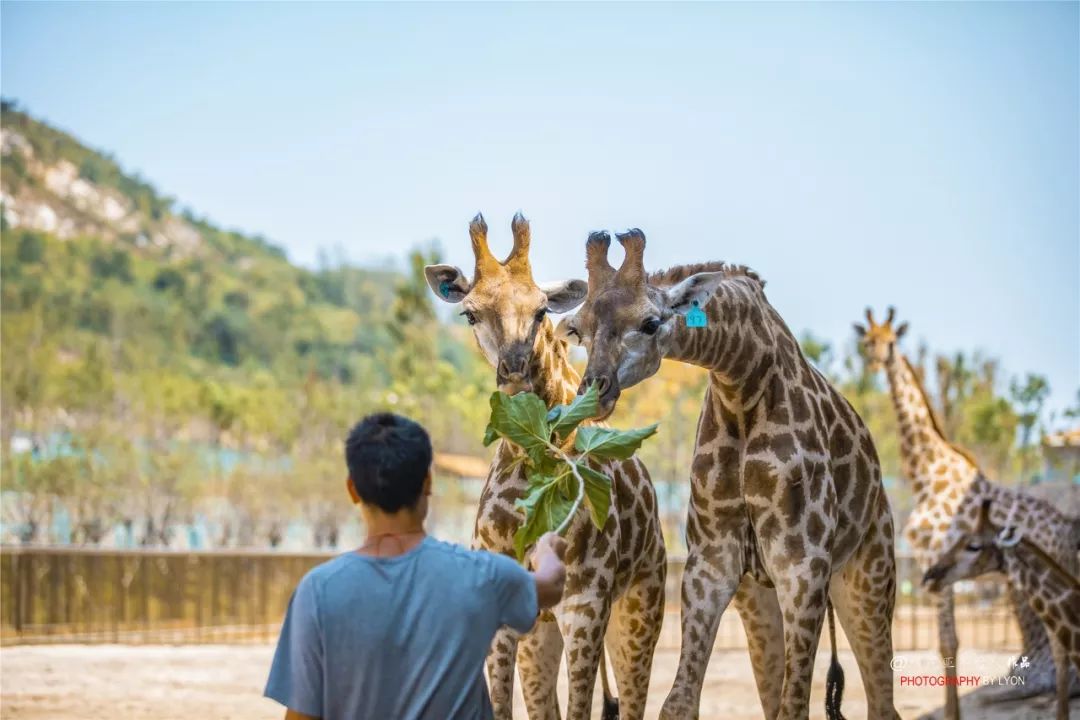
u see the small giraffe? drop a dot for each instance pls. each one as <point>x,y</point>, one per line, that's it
<point>1051,590</point>
<point>618,572</point>
<point>787,508</point>
<point>947,488</point>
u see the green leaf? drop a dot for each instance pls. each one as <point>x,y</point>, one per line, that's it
<point>611,444</point>
<point>490,435</point>
<point>521,419</point>
<point>597,494</point>
<point>570,416</point>
<point>545,508</point>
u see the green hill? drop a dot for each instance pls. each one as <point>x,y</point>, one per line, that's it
<point>150,340</point>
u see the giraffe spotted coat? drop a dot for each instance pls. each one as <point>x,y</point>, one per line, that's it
<point>948,490</point>
<point>615,576</point>
<point>787,506</point>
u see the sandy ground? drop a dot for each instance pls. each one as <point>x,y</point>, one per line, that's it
<point>224,682</point>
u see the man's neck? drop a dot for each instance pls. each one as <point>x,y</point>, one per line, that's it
<point>390,534</point>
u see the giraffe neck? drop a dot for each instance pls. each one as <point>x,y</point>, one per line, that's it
<point>920,435</point>
<point>741,343</point>
<point>554,379</point>
<point>1037,575</point>
<point>1027,562</point>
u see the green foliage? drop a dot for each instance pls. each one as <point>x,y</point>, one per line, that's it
<point>558,483</point>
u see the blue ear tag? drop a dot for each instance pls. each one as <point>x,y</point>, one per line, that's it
<point>695,317</point>
<point>444,289</point>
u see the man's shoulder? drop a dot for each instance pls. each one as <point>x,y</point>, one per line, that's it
<point>322,573</point>
<point>484,559</point>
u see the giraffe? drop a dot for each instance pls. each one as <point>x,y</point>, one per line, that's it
<point>1052,591</point>
<point>787,508</point>
<point>616,574</point>
<point>947,488</point>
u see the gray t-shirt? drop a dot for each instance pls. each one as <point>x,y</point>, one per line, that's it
<point>400,638</point>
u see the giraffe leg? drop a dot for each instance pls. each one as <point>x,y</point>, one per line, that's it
<point>539,653</point>
<point>801,591</point>
<point>1061,665</point>
<point>947,647</point>
<point>500,666</point>
<point>583,619</point>
<point>864,596</point>
<point>636,618</point>
<point>764,625</point>
<point>709,582</point>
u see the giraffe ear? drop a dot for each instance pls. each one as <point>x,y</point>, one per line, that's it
<point>448,282</point>
<point>859,329</point>
<point>564,296</point>
<point>901,330</point>
<point>698,288</point>
<point>565,331</point>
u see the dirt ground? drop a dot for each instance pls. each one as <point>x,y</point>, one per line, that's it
<point>224,682</point>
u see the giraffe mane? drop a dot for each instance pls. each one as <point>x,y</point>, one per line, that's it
<point>678,273</point>
<point>962,452</point>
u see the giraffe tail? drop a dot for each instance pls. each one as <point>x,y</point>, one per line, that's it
<point>611,703</point>
<point>834,679</point>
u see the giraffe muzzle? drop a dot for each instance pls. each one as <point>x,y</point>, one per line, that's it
<point>512,374</point>
<point>933,578</point>
<point>607,393</point>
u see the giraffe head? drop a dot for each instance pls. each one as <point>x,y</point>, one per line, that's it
<point>505,307</point>
<point>974,553</point>
<point>626,324</point>
<point>878,341</point>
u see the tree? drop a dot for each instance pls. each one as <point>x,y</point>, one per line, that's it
<point>1029,396</point>
<point>819,351</point>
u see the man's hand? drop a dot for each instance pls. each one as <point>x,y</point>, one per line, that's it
<point>549,572</point>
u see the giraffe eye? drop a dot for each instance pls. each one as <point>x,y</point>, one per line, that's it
<point>974,547</point>
<point>650,326</point>
<point>470,316</point>
<point>540,314</point>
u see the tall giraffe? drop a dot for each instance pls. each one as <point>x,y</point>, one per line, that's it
<point>1051,590</point>
<point>618,572</point>
<point>947,488</point>
<point>787,508</point>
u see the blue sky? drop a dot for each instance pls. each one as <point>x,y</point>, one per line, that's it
<point>924,154</point>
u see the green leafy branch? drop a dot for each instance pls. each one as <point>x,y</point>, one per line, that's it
<point>558,482</point>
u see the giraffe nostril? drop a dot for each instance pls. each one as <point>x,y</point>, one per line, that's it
<point>602,385</point>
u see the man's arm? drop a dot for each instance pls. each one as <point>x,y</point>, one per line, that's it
<point>549,572</point>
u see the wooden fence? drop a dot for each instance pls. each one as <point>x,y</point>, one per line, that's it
<point>73,595</point>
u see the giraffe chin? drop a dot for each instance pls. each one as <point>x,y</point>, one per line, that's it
<point>513,388</point>
<point>604,411</point>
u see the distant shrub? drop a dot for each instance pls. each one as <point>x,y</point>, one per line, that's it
<point>31,248</point>
<point>115,263</point>
<point>170,280</point>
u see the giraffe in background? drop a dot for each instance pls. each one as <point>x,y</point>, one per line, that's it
<point>787,507</point>
<point>618,572</point>
<point>947,490</point>
<point>1052,592</point>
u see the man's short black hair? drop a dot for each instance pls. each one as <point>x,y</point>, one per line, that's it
<point>389,457</point>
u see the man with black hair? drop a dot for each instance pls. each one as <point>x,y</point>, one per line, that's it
<point>398,629</point>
